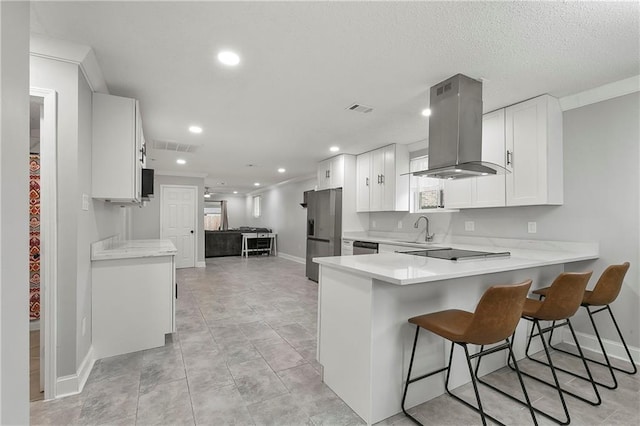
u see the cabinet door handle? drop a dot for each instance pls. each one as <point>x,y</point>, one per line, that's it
<point>329,173</point>
<point>509,160</point>
<point>381,178</point>
<point>366,181</point>
<point>378,178</point>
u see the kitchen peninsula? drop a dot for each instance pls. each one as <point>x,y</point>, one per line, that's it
<point>133,295</point>
<point>364,340</point>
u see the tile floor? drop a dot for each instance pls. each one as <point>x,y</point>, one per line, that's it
<point>244,354</point>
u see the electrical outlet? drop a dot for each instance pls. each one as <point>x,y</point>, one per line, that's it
<point>84,325</point>
<point>399,224</point>
<point>532,227</point>
<point>85,202</point>
<point>373,223</point>
<point>470,226</point>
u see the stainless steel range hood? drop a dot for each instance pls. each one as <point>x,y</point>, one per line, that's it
<point>455,131</point>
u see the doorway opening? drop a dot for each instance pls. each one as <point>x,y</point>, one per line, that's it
<point>42,243</point>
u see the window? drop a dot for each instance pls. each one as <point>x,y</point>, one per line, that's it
<point>257,210</point>
<point>212,217</point>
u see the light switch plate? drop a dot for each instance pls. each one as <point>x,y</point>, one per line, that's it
<point>85,202</point>
<point>532,227</point>
<point>373,223</point>
<point>469,225</point>
<point>399,224</point>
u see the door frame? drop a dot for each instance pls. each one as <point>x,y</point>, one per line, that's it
<point>48,236</point>
<point>195,216</point>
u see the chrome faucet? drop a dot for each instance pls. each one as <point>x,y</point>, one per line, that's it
<point>427,237</point>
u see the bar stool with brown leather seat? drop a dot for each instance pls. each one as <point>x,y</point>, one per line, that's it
<point>494,320</point>
<point>603,294</point>
<point>563,300</point>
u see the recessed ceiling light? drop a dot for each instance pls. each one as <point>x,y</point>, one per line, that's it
<point>256,184</point>
<point>181,161</point>
<point>195,129</point>
<point>426,112</point>
<point>228,57</point>
<point>235,192</point>
<point>334,149</point>
<point>207,195</point>
<point>281,170</point>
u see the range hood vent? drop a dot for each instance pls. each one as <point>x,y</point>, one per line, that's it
<point>455,131</point>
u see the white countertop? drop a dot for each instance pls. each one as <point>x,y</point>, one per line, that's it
<point>403,269</point>
<point>113,248</point>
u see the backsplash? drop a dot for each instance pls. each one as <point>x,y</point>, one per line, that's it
<point>399,222</point>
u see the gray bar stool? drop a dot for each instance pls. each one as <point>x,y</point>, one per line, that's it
<point>494,320</point>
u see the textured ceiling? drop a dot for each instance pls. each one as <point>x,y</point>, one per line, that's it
<point>303,63</point>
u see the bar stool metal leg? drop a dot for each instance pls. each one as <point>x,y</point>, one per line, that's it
<point>607,363</point>
<point>589,377</point>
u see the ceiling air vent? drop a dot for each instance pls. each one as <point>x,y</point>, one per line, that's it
<point>173,146</point>
<point>360,108</point>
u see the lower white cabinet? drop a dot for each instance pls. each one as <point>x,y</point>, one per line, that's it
<point>133,304</point>
<point>347,247</point>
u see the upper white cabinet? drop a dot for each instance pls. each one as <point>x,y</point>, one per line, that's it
<point>331,173</point>
<point>363,182</point>
<point>118,149</point>
<point>380,181</point>
<point>526,139</point>
<point>534,152</point>
<point>484,191</point>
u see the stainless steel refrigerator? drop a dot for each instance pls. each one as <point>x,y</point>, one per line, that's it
<point>324,227</point>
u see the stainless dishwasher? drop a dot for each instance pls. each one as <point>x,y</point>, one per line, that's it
<point>364,247</point>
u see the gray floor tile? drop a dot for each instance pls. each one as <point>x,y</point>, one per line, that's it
<point>223,405</point>
<point>281,410</point>
<point>168,403</point>
<point>256,382</point>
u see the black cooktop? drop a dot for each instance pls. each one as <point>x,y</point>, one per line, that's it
<point>456,254</point>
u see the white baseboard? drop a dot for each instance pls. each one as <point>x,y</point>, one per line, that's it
<point>202,264</point>
<point>34,325</point>
<point>614,349</point>
<point>74,383</point>
<point>292,258</point>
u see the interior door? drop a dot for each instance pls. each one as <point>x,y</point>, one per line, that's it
<point>178,221</point>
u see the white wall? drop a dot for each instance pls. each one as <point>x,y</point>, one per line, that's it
<point>281,211</point>
<point>236,209</point>
<point>14,231</point>
<point>76,228</point>
<point>146,220</point>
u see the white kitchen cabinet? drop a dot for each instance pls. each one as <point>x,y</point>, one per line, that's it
<point>363,182</point>
<point>385,188</point>
<point>331,173</point>
<point>118,150</point>
<point>483,191</point>
<point>347,247</point>
<point>534,152</point>
<point>133,304</point>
